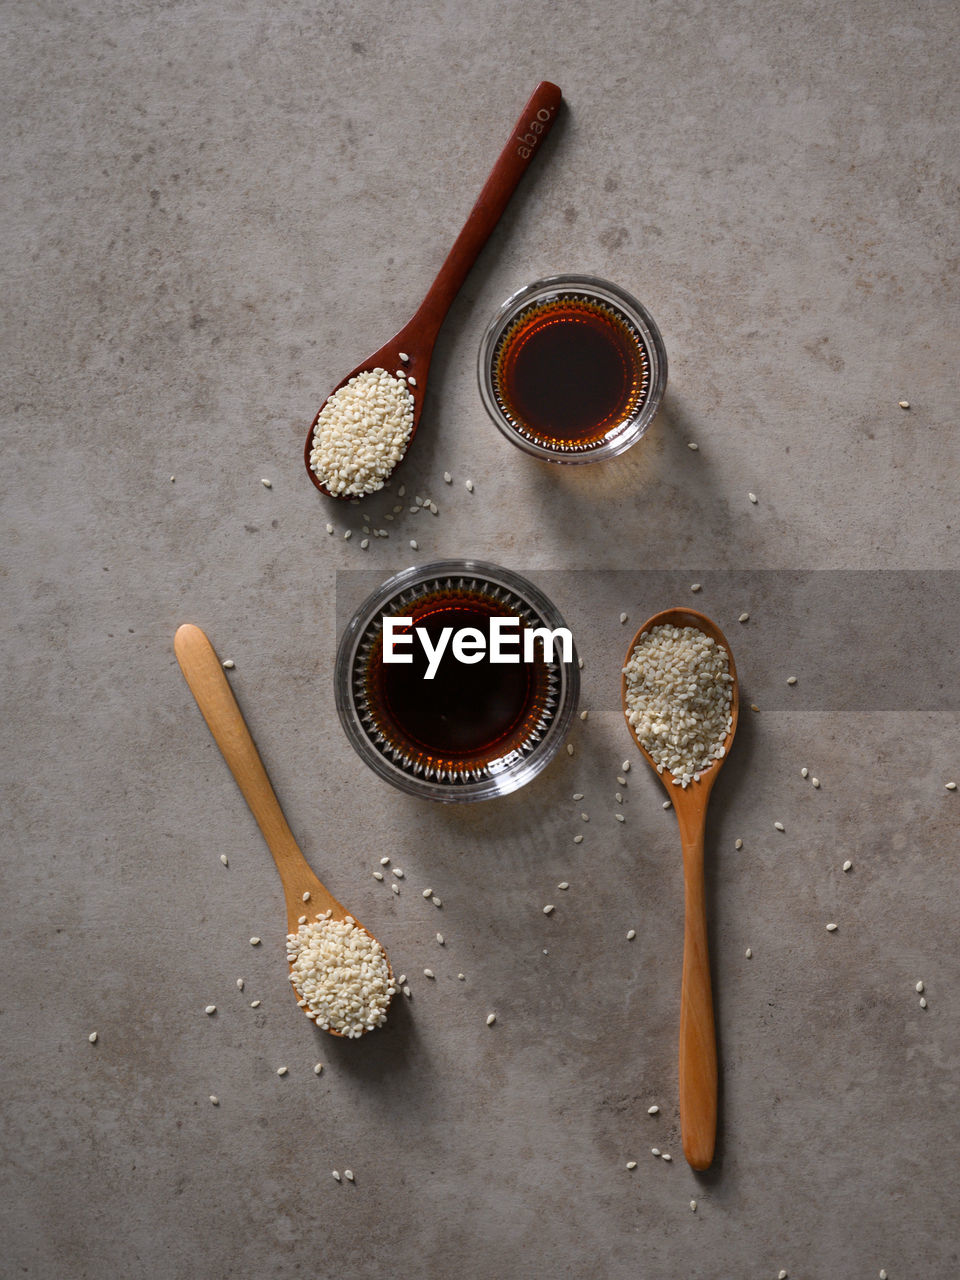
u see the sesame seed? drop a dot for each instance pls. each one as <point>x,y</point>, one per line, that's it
<point>254,942</point>
<point>619,817</point>
<point>883,1274</point>
<point>585,817</point>
<point>335,1174</point>
<point>239,984</point>
<point>173,479</point>
<point>744,617</point>
<point>564,884</point>
<point>412,380</point>
<point>693,1206</point>
<point>93,1037</point>
<point>491,1019</point>
<point>282,1071</point>
<point>623,618</point>
<point>329,528</point>
<point>622,781</point>
<point>654,1151</point>
<point>667,804</point>
<point>548,909</point>
<point>653,1111</point>
<point>364,543</point>
<point>318,1069</point>
<point>436,901</point>
<point>631,934</point>
<point>577,795</point>
<point>667,1156</point>
<point>348,1174</point>
<point>625,767</point>
<point>804,773</point>
<point>749,953</point>
<point>414,545</point>
<point>224,860</point>
<point>904,404</point>
<point>753,497</point>
<point>754,707</point>
<point>306,896</point>
<point>400,374</point>
<point>447,478</point>
<point>578,839</point>
<point>468,485</point>
<point>815,782</point>
<point>831,927</point>
<point>407,992</point>
<point>301,919</point>
<point>404,358</point>
<point>847,865</point>
<point>951,786</point>
<point>395,888</point>
<point>569,748</point>
<point>214,1099</point>
<point>428,893</point>
<point>211,1008</point>
<point>440,939</point>
<point>384,862</point>
<point>580,663</point>
<point>738,844</point>
<point>401,492</point>
<point>631,1164</point>
<point>781,1275</point>
<point>696,586</point>
<point>692,444</point>
<point>923,1002</point>
<point>584,714</point>
<point>919,988</point>
<point>378,875</point>
<point>791,679</point>
<point>267,484</point>
<point>254,1004</point>
<point>778,826</point>
<point>618,797</point>
<point>428,973</point>
<point>461,977</point>
<point>229,664</point>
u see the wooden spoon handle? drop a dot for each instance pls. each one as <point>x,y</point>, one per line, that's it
<point>698,1045</point>
<point>204,674</point>
<point>536,121</point>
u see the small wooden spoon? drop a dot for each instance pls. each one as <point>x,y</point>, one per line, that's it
<point>698,1044</point>
<point>204,674</point>
<point>416,339</point>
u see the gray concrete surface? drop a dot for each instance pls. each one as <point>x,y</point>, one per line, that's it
<point>212,212</point>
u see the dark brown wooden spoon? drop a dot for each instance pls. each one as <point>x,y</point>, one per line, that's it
<point>416,339</point>
<point>698,1043</point>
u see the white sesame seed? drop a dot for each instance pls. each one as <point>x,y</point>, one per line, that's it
<point>577,795</point>
<point>564,884</point>
<point>239,984</point>
<point>738,844</point>
<point>631,1164</point>
<point>744,617</point>
<point>585,817</point>
<point>306,896</point>
<point>404,358</point>
<point>384,862</point>
<point>348,534</point>
<point>667,1156</point>
<point>468,485</point>
<point>335,1174</point>
<point>654,1151</point>
<point>749,953</point>
<point>400,374</point>
<point>619,817</point>
<point>428,973</point>
<point>461,977</point>
<point>569,748</point>
<point>904,404</point>
<point>440,939</point>
<point>401,980</point>
<point>378,875</point>
<point>667,804</point>
<point>951,786</point>
<point>622,781</point>
<point>329,528</point>
<point>395,888</point>
<point>580,663</point>
<point>923,1002</point>
<point>428,893</point>
<point>618,797</point>
<point>401,492</point>
<point>411,379</point>
<point>791,679</point>
<point>831,927</point>
<point>693,1206</point>
<point>398,873</point>
<point>883,1274</point>
<point>631,934</point>
<point>804,773</point>
<point>815,782</point>
<point>301,919</point>
<point>548,909</point>
<point>214,1100</point>
<point>625,767</point>
<point>229,664</point>
<point>224,860</point>
<point>584,714</point>
<point>696,586</point>
<point>447,478</point>
<point>364,543</point>
<point>282,1071</point>
<point>623,618</point>
<point>211,1008</point>
<point>753,497</point>
<point>318,1069</point>
<point>653,1111</point>
<point>267,484</point>
<point>436,901</point>
<point>491,1019</point>
<point>778,826</point>
<point>847,865</point>
<point>578,839</point>
<point>781,1275</point>
<point>173,479</point>
<point>414,545</point>
<point>254,1004</point>
<point>93,1037</point>
<point>692,444</point>
<point>348,1174</point>
<point>919,988</point>
<point>408,993</point>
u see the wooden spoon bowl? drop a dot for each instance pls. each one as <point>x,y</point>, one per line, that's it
<point>418,337</point>
<point>698,1045</point>
<point>204,674</point>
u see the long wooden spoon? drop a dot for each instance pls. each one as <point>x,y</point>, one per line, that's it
<point>698,1044</point>
<point>416,339</point>
<point>204,674</point>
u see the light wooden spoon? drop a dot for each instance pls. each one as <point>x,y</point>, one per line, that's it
<point>698,1044</point>
<point>204,674</point>
<point>417,337</point>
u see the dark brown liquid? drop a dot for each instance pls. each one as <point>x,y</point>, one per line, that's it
<point>569,372</point>
<point>468,715</point>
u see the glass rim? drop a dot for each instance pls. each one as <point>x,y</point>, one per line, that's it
<point>633,427</point>
<point>517,773</point>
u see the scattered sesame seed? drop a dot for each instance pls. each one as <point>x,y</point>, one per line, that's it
<point>440,939</point>
<point>491,1019</point>
<point>904,404</point>
<point>348,1174</point>
<point>569,748</point>
<point>548,908</point>
<point>847,865</point>
<point>395,888</point>
<point>364,543</point>
<point>173,479</point>
<point>329,528</point>
<point>923,1002</point>
<point>585,817</point>
<point>951,786</point>
<point>447,478</point>
<point>254,1004</point>
<point>414,545</point>
<point>348,534</point>
<point>211,1008</point>
<point>436,901</point>
<point>631,934</point>
<point>623,618</point>
<point>577,795</point>
<point>696,586</point>
<point>693,1206</point>
<point>804,773</point>
<point>667,804</point>
<point>618,797</point>
<point>831,927</point>
<point>335,1174</point>
<point>815,782</point>
<point>625,767</point>
<point>654,1151</point>
<point>754,707</point>
<point>564,884</point>
<point>428,893</point>
<point>301,919</point>
<point>401,492</point>
<point>619,817</point>
<point>411,379</point>
<point>631,1164</point>
<point>468,485</point>
<point>378,875</point>
<point>883,1274</point>
<point>738,844</point>
<point>318,1069</point>
<point>214,1099</point>
<point>281,1071</point>
<point>778,826</point>
<point>753,497</point>
<point>428,973</point>
<point>229,664</point>
<point>749,953</point>
<point>580,663</point>
<point>578,839</point>
<point>919,988</point>
<point>781,1275</point>
<point>239,984</point>
<point>692,444</point>
<point>622,781</point>
<point>791,679</point>
<point>267,484</point>
<point>306,896</point>
<point>584,714</point>
<point>224,860</point>
<point>384,862</point>
<point>404,358</point>
<point>407,992</point>
<point>653,1111</point>
<point>397,871</point>
<point>666,1156</point>
<point>93,1037</point>
<point>744,617</point>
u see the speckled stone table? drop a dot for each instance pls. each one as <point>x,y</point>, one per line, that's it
<point>213,211</point>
